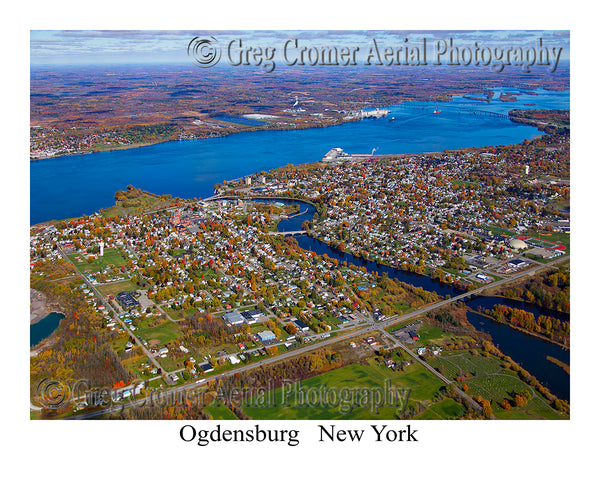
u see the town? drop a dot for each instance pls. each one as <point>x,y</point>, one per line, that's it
<point>185,291</point>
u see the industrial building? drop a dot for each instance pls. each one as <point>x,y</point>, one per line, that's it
<point>233,318</point>
<point>252,316</point>
<point>266,336</point>
<point>126,299</point>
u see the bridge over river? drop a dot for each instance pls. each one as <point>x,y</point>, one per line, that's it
<point>460,108</point>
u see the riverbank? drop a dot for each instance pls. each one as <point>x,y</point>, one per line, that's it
<point>519,329</point>
<point>266,127</point>
<point>330,122</point>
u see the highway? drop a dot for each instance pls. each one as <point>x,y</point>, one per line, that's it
<point>380,326</point>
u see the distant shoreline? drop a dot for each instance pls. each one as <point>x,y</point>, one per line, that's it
<point>246,130</point>
<point>166,140</point>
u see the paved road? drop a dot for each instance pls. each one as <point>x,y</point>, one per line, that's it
<point>353,333</point>
<point>115,315</point>
<point>397,343</point>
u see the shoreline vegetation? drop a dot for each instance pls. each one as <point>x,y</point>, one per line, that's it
<point>562,365</point>
<point>519,329</point>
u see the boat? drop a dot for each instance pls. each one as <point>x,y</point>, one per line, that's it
<point>436,111</point>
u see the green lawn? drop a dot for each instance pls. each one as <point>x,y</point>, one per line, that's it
<point>487,377</point>
<point>164,333</point>
<point>498,230</point>
<point>562,238</point>
<point>428,333</point>
<point>347,380</point>
<point>111,257</point>
<point>444,410</point>
<point>117,287</point>
<point>111,212</point>
<point>498,387</point>
<point>220,412</point>
<point>464,183</point>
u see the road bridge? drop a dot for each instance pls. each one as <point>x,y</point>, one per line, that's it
<point>458,108</point>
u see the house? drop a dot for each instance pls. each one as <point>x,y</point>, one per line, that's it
<point>414,335</point>
<point>163,351</point>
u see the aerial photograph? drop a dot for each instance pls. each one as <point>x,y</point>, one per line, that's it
<point>299,225</point>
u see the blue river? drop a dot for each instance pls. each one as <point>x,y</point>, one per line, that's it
<point>75,185</point>
<point>529,351</point>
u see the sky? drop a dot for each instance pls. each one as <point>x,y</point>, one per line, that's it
<point>66,47</point>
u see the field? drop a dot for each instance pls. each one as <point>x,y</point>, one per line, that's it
<point>428,334</point>
<point>443,410</point>
<point>499,230</point>
<point>111,258</point>
<point>347,381</point>
<point>462,364</point>
<point>164,332</point>
<point>563,238</point>
<point>117,287</point>
<point>220,412</point>
<point>486,376</point>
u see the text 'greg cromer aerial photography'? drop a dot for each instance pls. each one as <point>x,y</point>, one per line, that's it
<point>299,225</point>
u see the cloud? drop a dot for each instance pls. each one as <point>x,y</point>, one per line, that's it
<point>82,46</point>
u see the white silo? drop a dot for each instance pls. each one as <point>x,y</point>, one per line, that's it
<point>526,169</point>
<point>101,249</point>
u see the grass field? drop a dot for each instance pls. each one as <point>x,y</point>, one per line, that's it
<point>111,212</point>
<point>220,412</point>
<point>465,183</point>
<point>164,333</point>
<point>498,230</point>
<point>486,376</point>
<point>111,257</point>
<point>428,334</point>
<point>117,287</point>
<point>562,238</point>
<point>444,410</point>
<point>422,384</point>
<point>499,387</point>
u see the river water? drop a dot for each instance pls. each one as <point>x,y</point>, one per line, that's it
<point>527,350</point>
<point>74,185</point>
<point>82,184</point>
